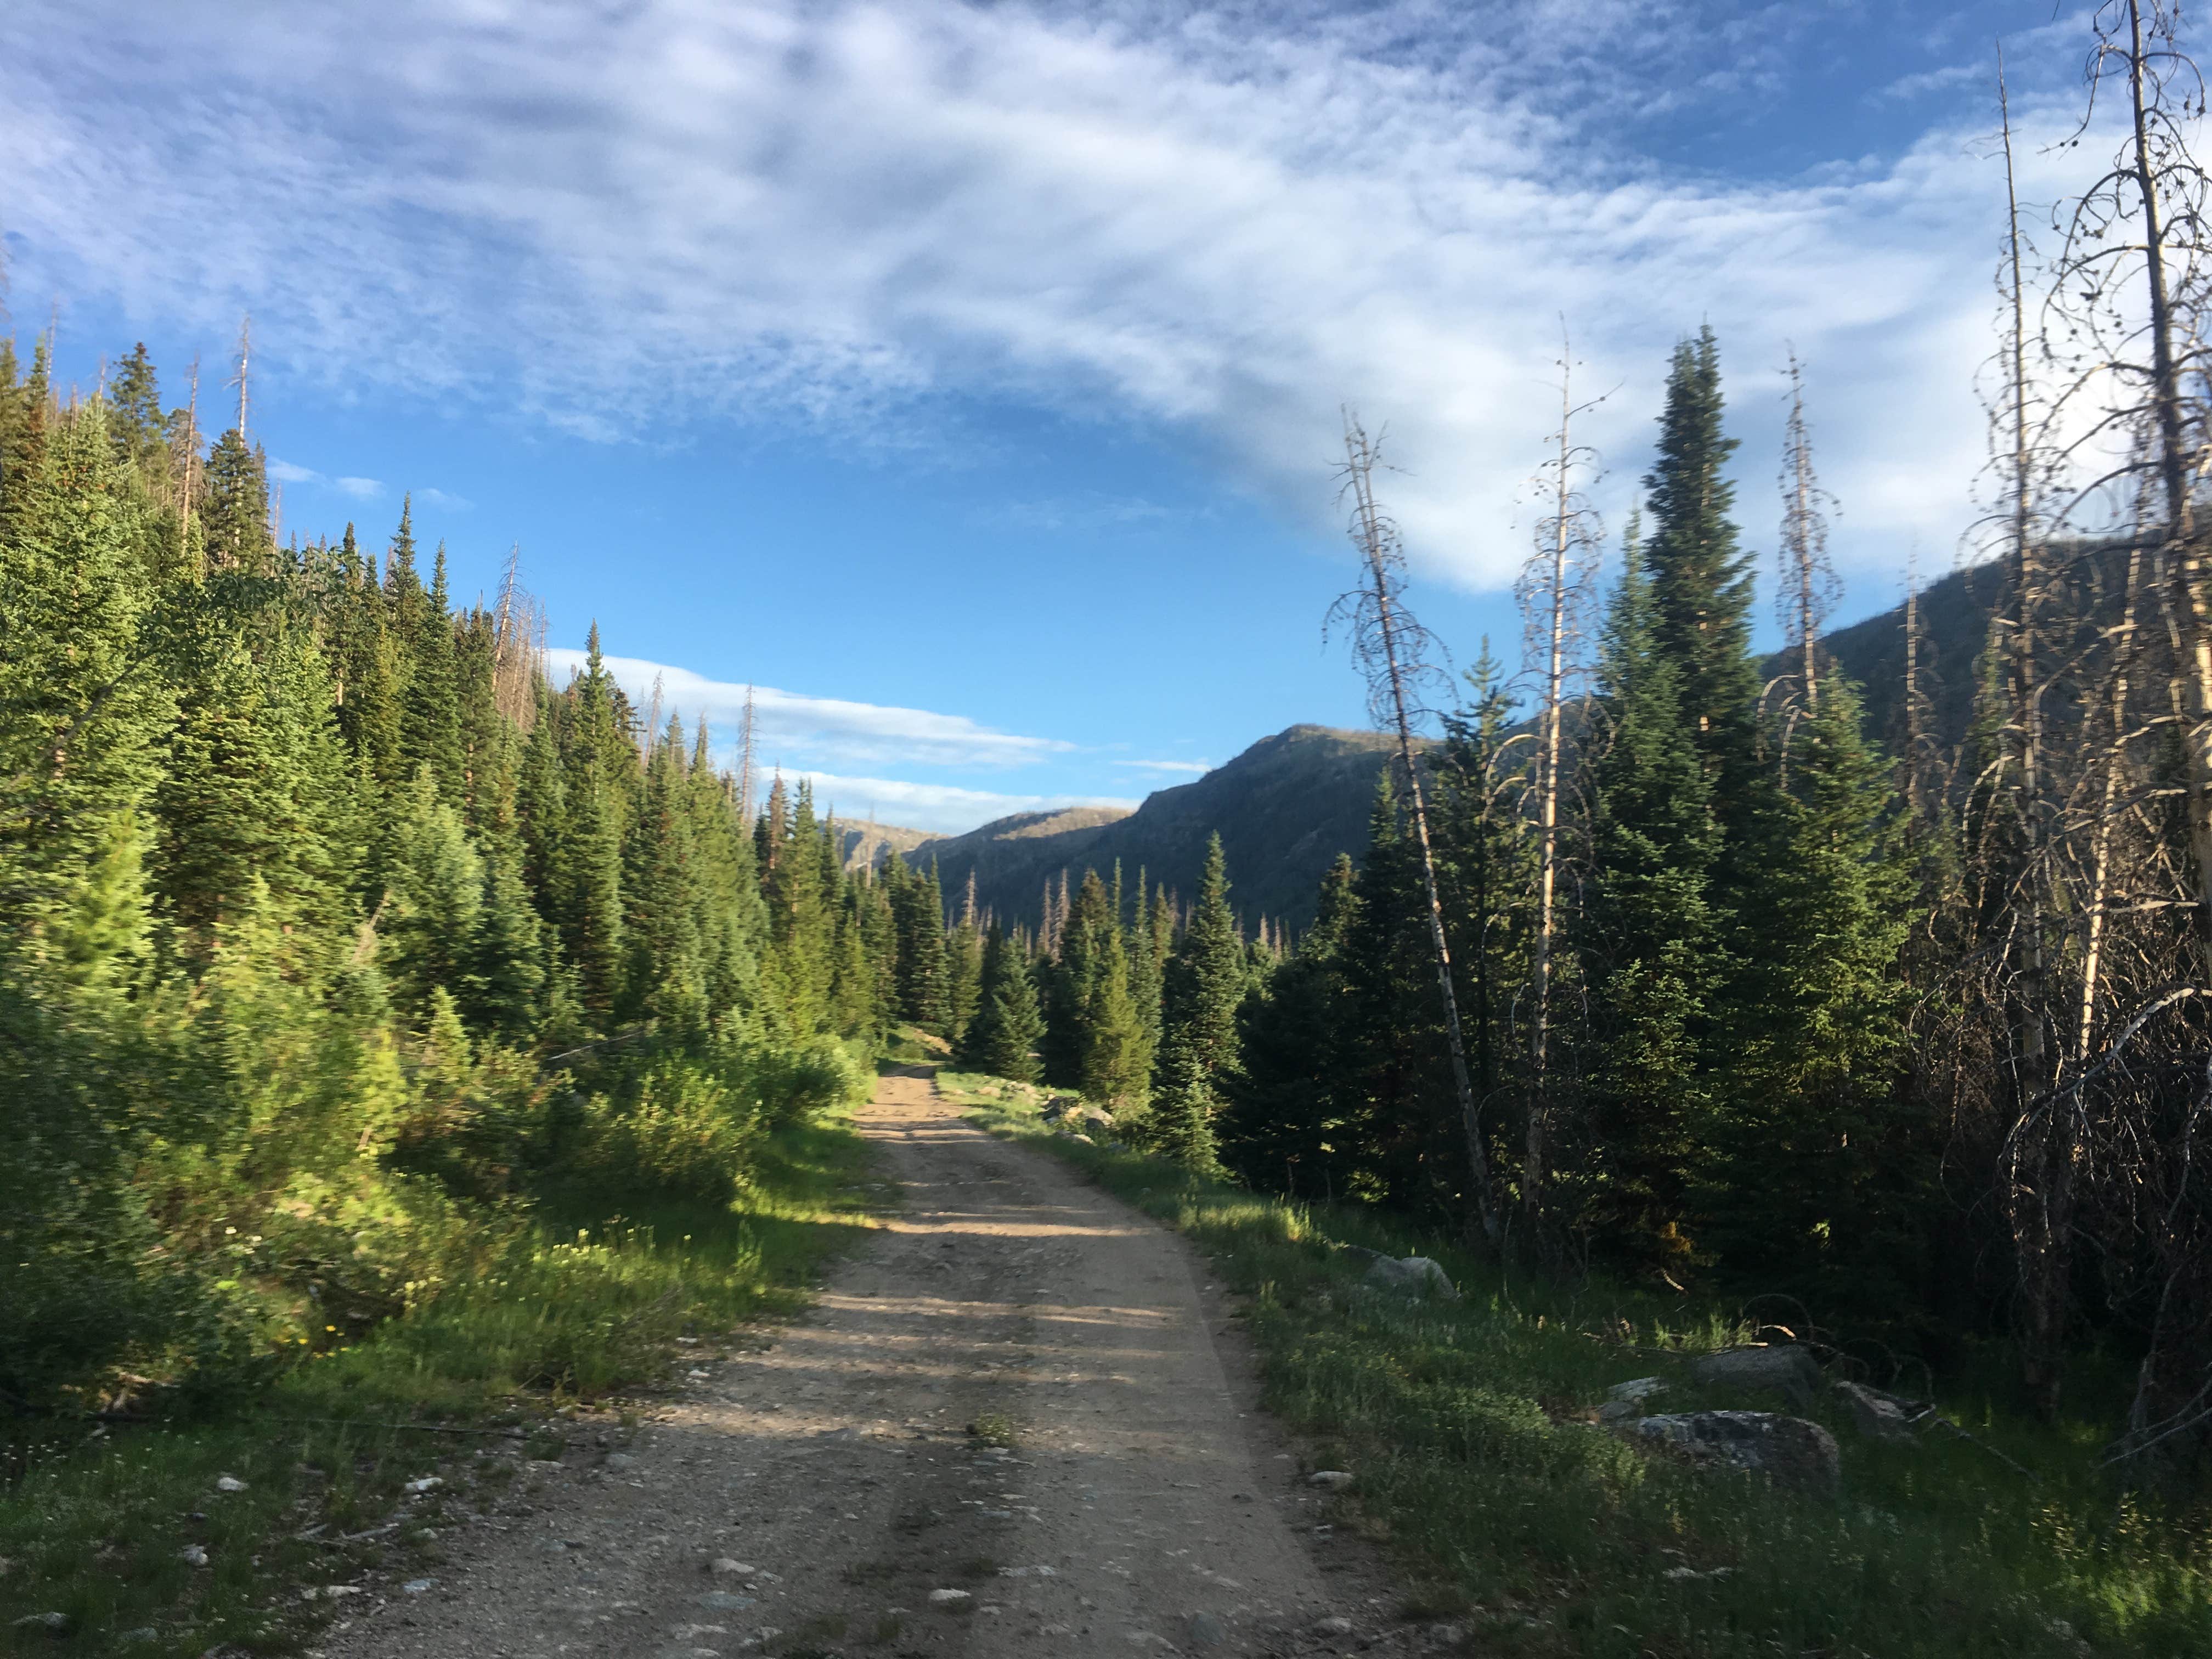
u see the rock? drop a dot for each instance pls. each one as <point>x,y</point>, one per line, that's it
<point>1206,1630</point>
<point>54,1624</point>
<point>723,1567</point>
<point>1788,1368</point>
<point>1330,1479</point>
<point>1790,1451</point>
<point>1336,1625</point>
<point>1059,1107</point>
<point>1028,1572</point>
<point>194,1555</point>
<point>229,1483</point>
<point>620,1460</point>
<point>1626,1400</point>
<point>1415,1276</point>
<point>1447,1636</point>
<point>427,1483</point>
<point>952,1599</point>
<point>1876,1415</point>
<point>143,1633</point>
<point>419,1586</point>
<point>723,1602</point>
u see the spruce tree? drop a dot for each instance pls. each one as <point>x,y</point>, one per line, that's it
<point>1654,939</point>
<point>1700,581</point>
<point>1815,1166</point>
<point>1283,1126</point>
<point>429,705</point>
<point>919,913</point>
<point>1205,985</point>
<point>234,512</point>
<point>1002,1038</point>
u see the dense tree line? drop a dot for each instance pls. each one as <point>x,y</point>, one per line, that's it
<point>331,925</point>
<point>1906,1036</point>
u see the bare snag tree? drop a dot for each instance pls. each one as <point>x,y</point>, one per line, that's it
<point>1809,588</point>
<point>2105,1153</point>
<point>1556,591</point>
<point>1392,649</point>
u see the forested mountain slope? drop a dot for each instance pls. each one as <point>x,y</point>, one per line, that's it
<point>1284,809</point>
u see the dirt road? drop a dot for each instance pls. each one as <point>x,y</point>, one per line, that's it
<point>1142,1505</point>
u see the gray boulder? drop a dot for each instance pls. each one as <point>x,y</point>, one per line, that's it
<point>1788,1450</point>
<point>1787,1368</point>
<point>1415,1276</point>
<point>1626,1400</point>
<point>1879,1416</point>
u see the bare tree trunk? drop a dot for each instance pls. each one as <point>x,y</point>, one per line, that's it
<point>2096,900</point>
<point>1552,593</point>
<point>1389,627</point>
<point>1807,580</point>
<point>2185,560</point>
<point>2024,716</point>
<point>745,760</point>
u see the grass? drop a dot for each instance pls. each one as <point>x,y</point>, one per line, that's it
<point>1466,1426</point>
<point>96,1520</point>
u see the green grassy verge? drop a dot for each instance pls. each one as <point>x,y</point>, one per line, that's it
<point>1540,1534</point>
<point>96,1520</point>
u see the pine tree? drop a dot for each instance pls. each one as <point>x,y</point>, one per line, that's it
<point>919,912</point>
<point>664,979</point>
<point>234,514</point>
<point>1205,985</point>
<point>1002,1039</point>
<point>365,663</point>
<point>435,898</point>
<point>81,708</point>
<point>1654,936</point>
<point>1700,581</point>
<point>429,704</point>
<point>1283,1126</point>
<point>1815,1166</point>
<point>1395,1086</point>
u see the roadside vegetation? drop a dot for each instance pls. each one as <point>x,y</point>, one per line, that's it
<point>395,1045</point>
<point>1470,1429</point>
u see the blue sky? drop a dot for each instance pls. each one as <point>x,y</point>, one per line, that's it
<point>967,376</point>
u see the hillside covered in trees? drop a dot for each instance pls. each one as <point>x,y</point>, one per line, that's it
<point>1285,808</point>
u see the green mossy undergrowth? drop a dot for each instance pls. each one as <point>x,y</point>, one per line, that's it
<point>1469,1428</point>
<point>587,1298</point>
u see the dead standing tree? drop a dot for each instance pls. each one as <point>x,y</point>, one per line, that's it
<point>1391,648</point>
<point>1809,588</point>
<point>1555,590</point>
<point>2130,291</point>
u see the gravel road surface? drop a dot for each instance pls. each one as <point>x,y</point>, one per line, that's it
<point>816,1489</point>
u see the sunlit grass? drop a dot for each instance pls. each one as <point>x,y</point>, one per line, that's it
<point>1544,1534</point>
<point>586,1300</point>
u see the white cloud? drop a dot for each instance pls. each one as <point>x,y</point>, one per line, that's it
<point>1224,222</point>
<point>440,498</point>
<point>937,807</point>
<point>362,489</point>
<point>1195,768</point>
<point>792,729</point>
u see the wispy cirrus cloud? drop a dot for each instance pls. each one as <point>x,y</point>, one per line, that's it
<point>796,731</point>
<point>1219,221</point>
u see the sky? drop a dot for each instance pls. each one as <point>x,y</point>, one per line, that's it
<point>969,377</point>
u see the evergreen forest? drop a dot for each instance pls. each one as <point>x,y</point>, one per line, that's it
<point>353,968</point>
